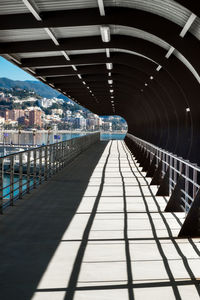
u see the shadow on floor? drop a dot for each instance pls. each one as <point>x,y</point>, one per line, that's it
<point>31,232</point>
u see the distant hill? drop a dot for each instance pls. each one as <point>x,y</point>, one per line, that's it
<point>38,87</point>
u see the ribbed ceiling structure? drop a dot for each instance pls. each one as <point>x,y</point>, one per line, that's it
<point>134,58</point>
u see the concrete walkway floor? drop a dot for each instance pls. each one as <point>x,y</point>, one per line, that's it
<point>96,231</point>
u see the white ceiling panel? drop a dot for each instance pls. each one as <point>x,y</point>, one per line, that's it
<point>39,54</point>
<point>134,32</point>
<point>8,7</point>
<point>168,9</point>
<point>195,28</point>
<point>17,35</point>
<point>52,5</point>
<point>78,31</point>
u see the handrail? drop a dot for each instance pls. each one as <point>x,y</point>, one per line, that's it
<point>177,167</point>
<point>22,171</point>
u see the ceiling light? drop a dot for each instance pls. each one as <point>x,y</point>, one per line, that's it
<point>65,55</point>
<point>112,97</point>
<point>188,25</point>
<point>32,9</point>
<point>79,76</point>
<point>159,68</point>
<point>84,82</point>
<point>187,109</point>
<point>146,84</point>
<point>52,36</point>
<point>151,77</point>
<point>109,74</point>
<point>111,91</point>
<point>105,33</point>
<point>171,50</point>
<point>109,66</point>
<point>75,69</point>
<point>110,81</point>
<point>101,7</point>
<point>107,52</point>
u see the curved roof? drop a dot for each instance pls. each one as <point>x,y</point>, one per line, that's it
<point>149,49</point>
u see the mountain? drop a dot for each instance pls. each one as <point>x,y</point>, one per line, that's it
<point>40,88</point>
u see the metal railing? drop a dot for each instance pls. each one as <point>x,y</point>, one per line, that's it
<point>22,171</point>
<point>176,167</point>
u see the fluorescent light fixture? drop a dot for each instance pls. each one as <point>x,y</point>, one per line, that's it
<point>107,52</point>
<point>187,109</point>
<point>32,9</point>
<point>109,74</point>
<point>188,25</point>
<point>111,91</point>
<point>109,66</point>
<point>79,76</point>
<point>159,68</point>
<point>112,97</point>
<point>51,84</point>
<point>74,67</point>
<point>151,77</point>
<point>65,55</point>
<point>146,84</point>
<point>101,7</point>
<point>52,36</point>
<point>110,81</point>
<point>88,87</point>
<point>84,82</point>
<point>105,33</point>
<point>171,50</point>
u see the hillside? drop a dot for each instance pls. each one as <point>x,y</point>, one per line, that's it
<point>38,87</point>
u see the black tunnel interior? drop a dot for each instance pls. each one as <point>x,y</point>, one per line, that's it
<point>147,71</point>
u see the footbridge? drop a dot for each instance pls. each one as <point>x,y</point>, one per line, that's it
<point>85,219</point>
<point>92,225</point>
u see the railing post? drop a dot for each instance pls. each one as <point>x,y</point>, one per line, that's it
<point>1,183</point>
<point>46,163</point>
<point>28,173</point>
<point>11,180</point>
<point>40,165</point>
<point>34,168</point>
<point>20,175</point>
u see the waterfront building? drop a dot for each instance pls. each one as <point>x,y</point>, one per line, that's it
<point>35,118</point>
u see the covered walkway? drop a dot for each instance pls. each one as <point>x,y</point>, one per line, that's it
<point>97,231</point>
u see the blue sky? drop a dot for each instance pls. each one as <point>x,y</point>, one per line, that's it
<point>11,71</point>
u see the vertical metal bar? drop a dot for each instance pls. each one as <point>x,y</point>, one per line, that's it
<point>40,165</point>
<point>175,169</point>
<point>1,183</point>
<point>50,166</point>
<point>28,172</point>
<point>171,165</point>
<point>20,175</point>
<point>186,186</point>
<point>57,157</point>
<point>34,168</point>
<point>45,163</point>
<point>62,155</point>
<point>195,181</point>
<point>11,180</point>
